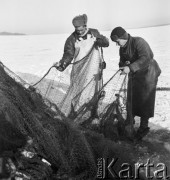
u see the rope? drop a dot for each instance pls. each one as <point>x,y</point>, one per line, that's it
<point>70,63</point>
<point>163,88</point>
<point>110,79</point>
<point>43,76</point>
<point>102,62</point>
<point>157,89</point>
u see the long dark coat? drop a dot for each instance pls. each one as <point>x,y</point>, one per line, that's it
<point>143,76</point>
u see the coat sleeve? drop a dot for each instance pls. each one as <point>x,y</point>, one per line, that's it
<point>145,55</point>
<point>101,40</point>
<point>69,50</point>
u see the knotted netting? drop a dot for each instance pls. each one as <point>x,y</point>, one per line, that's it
<point>110,101</point>
<point>53,136</point>
<point>72,152</point>
<point>77,90</point>
<point>106,106</point>
<point>71,93</point>
<point>83,97</point>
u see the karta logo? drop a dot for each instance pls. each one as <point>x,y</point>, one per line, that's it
<point>111,169</point>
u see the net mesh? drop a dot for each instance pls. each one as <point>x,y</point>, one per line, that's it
<point>31,114</point>
<point>89,96</point>
<point>81,94</point>
<point>72,150</point>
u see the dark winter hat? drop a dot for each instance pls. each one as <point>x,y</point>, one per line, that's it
<point>80,20</point>
<point>118,33</point>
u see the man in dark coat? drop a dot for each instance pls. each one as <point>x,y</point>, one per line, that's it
<point>136,60</point>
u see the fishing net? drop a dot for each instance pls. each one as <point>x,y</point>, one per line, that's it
<point>92,96</point>
<point>85,79</point>
<point>70,150</point>
<point>31,115</point>
<point>79,91</point>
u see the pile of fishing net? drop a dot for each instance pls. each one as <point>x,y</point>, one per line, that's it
<point>40,142</point>
<point>54,138</point>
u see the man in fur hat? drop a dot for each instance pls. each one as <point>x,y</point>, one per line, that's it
<point>82,49</point>
<point>137,60</point>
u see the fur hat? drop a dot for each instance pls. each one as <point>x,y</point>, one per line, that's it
<point>80,20</point>
<point>118,33</point>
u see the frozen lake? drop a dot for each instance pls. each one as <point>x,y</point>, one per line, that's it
<point>35,54</point>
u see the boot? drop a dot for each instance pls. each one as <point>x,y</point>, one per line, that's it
<point>143,129</point>
<point>144,123</point>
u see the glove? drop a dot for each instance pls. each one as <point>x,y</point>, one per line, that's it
<point>103,65</point>
<point>98,42</point>
<point>60,66</point>
<point>127,63</point>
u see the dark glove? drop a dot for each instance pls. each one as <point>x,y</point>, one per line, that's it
<point>102,41</point>
<point>98,42</point>
<point>60,66</point>
<point>127,63</point>
<point>103,65</point>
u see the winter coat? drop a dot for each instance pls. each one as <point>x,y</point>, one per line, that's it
<point>143,76</point>
<point>69,48</point>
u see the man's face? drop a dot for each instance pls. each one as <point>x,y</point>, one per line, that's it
<point>121,42</point>
<point>80,30</point>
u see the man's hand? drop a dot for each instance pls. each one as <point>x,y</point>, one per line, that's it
<point>125,69</point>
<point>59,66</point>
<point>102,65</point>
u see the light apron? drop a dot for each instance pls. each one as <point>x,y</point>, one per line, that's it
<point>85,78</point>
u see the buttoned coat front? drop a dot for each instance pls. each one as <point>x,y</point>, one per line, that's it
<point>143,76</point>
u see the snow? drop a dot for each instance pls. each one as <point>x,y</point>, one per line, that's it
<point>35,54</point>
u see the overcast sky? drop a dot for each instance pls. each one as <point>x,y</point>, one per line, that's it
<point>55,16</point>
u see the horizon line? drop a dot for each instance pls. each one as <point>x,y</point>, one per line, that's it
<point>21,33</point>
